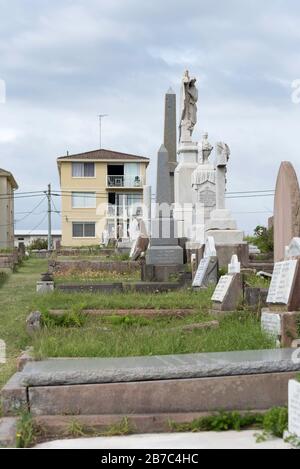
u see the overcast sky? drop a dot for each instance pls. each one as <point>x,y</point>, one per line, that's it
<point>64,62</point>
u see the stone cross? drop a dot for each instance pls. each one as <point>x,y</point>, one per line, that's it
<point>223,153</point>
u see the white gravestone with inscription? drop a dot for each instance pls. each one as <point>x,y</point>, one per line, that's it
<point>207,271</point>
<point>222,288</point>
<point>271,324</point>
<point>201,271</point>
<point>2,352</point>
<point>294,408</point>
<point>282,282</point>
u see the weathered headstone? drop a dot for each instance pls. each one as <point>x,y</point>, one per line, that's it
<point>294,408</point>
<point>228,293</point>
<point>286,209</point>
<point>207,272</point>
<point>271,324</point>
<point>283,298</point>
<point>284,286</point>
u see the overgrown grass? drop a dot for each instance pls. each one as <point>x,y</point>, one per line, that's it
<point>3,277</point>
<point>15,302</point>
<point>257,282</point>
<point>181,299</point>
<point>137,337</point>
<point>105,337</point>
<point>88,277</point>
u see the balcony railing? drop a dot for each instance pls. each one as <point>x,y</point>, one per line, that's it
<point>124,181</point>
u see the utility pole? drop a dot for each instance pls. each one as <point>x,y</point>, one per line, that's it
<point>101,116</point>
<point>49,218</point>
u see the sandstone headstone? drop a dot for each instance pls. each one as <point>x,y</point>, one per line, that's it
<point>286,209</point>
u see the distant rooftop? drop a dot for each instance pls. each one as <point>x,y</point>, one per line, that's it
<point>36,232</point>
<point>103,155</point>
<point>9,175</point>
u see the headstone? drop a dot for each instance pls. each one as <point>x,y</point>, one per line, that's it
<point>271,323</point>
<point>2,352</point>
<point>207,272</point>
<point>228,293</point>
<point>235,266</point>
<point>294,408</point>
<point>210,247</point>
<point>293,250</point>
<point>286,209</point>
<point>283,290</point>
<point>44,287</point>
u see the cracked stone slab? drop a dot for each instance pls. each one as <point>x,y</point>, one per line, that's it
<point>61,371</point>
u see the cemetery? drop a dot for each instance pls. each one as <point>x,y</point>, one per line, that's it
<point>178,322</point>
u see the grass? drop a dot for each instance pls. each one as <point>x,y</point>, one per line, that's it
<point>105,337</point>
<point>257,282</point>
<point>15,302</point>
<point>88,277</point>
<point>112,336</point>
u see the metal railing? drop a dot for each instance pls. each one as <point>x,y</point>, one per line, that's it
<point>124,181</point>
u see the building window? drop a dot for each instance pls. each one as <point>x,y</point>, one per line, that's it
<point>83,170</point>
<point>83,200</point>
<point>84,230</point>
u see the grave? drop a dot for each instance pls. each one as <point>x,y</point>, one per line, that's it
<point>294,408</point>
<point>286,209</point>
<point>207,272</point>
<point>156,386</point>
<point>164,249</point>
<point>283,298</point>
<point>228,292</point>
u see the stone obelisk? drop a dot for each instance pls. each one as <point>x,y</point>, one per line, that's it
<point>170,135</point>
<point>164,249</point>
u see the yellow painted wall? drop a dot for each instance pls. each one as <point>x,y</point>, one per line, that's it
<point>98,215</point>
<point>6,214</point>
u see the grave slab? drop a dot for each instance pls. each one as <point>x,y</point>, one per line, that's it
<point>55,372</point>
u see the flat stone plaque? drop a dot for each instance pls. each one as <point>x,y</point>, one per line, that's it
<point>282,281</point>
<point>208,198</point>
<point>222,288</point>
<point>271,323</point>
<point>201,271</point>
<point>294,408</point>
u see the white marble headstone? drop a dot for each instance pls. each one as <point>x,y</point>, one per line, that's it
<point>2,352</point>
<point>210,247</point>
<point>235,266</point>
<point>222,288</point>
<point>293,250</point>
<point>201,271</point>
<point>282,282</point>
<point>294,408</point>
<point>271,324</point>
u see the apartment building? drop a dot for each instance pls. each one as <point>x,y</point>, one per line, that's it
<point>100,190</point>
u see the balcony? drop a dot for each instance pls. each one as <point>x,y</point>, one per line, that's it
<point>132,182</point>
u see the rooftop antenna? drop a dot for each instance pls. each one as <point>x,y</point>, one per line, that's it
<point>101,116</point>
